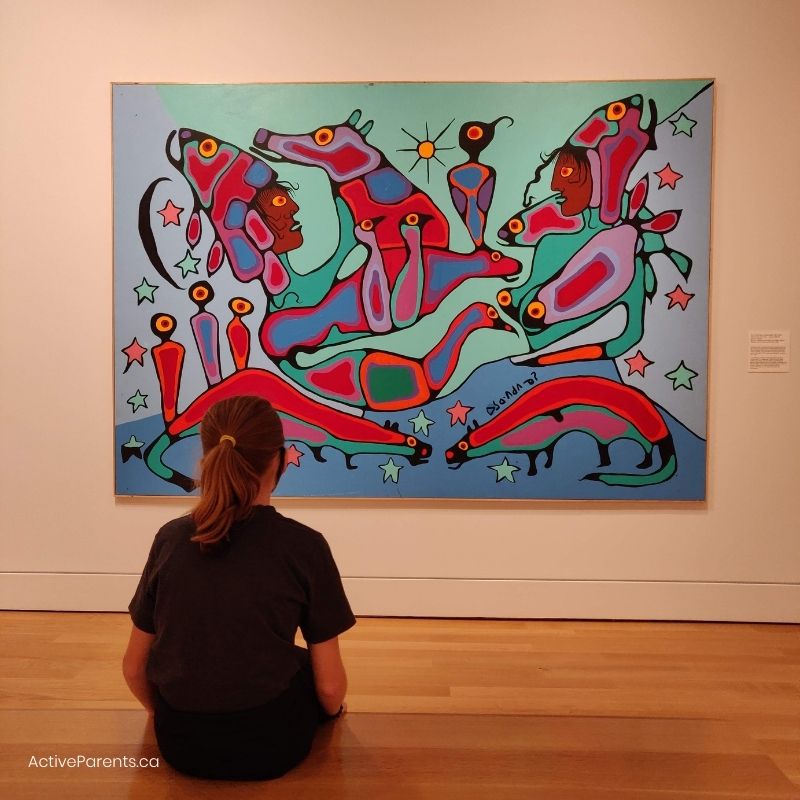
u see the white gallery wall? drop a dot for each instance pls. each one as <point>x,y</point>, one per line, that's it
<point>67,543</point>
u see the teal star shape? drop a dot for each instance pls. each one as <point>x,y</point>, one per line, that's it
<point>144,291</point>
<point>138,401</point>
<point>188,264</point>
<point>421,423</point>
<point>681,376</point>
<point>390,470</point>
<point>683,125</point>
<point>505,471</point>
<point>133,441</point>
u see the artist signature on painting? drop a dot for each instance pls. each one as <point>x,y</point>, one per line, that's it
<point>510,394</point>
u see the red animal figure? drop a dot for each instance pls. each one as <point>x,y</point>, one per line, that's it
<point>603,409</point>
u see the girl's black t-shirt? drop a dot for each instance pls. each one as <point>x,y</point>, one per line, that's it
<point>225,623</point>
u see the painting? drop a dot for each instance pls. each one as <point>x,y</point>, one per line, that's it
<point>486,290</point>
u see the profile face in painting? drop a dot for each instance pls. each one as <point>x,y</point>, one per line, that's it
<point>279,208</point>
<point>572,179</point>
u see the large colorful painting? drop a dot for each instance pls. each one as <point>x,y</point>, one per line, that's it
<point>446,290</point>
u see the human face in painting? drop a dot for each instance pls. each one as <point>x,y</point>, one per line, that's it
<point>573,181</point>
<point>279,209</point>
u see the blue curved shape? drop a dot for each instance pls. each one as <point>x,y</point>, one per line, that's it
<point>387,185</point>
<point>467,176</point>
<point>245,254</point>
<point>258,174</point>
<point>234,217</point>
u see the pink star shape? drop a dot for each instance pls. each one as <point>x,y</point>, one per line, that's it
<point>638,363</point>
<point>135,352</point>
<point>293,455</point>
<point>458,413</point>
<point>171,214</point>
<point>677,297</point>
<point>668,177</point>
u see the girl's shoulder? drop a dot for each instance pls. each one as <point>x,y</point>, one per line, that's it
<point>174,530</point>
<point>301,535</point>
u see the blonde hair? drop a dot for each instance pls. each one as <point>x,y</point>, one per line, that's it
<point>240,436</point>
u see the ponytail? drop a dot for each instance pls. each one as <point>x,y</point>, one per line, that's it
<point>240,436</point>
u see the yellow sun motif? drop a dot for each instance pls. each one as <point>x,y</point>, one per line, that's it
<point>426,148</point>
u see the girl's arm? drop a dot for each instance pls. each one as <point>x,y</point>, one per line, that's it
<point>330,679</point>
<point>134,666</point>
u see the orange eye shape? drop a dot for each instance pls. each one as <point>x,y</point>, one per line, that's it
<point>515,225</point>
<point>411,441</point>
<point>474,132</point>
<point>536,310</point>
<point>491,312</point>
<point>412,219</point>
<point>200,293</point>
<point>462,445</point>
<point>165,323</point>
<point>241,306</point>
<point>565,172</point>
<point>504,298</point>
<point>495,256</point>
<point>367,225</point>
<point>208,148</point>
<point>323,136</point>
<point>279,200</point>
<point>616,111</point>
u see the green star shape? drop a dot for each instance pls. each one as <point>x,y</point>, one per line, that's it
<point>138,401</point>
<point>188,264</point>
<point>421,423</point>
<point>390,470</point>
<point>505,471</point>
<point>133,441</point>
<point>683,125</point>
<point>681,376</point>
<point>144,291</point>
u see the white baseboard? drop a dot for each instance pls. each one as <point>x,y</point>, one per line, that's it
<point>450,597</point>
<point>571,599</point>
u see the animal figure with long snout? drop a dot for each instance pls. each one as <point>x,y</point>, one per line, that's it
<point>604,409</point>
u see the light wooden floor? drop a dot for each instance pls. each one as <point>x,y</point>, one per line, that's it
<point>500,709</point>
